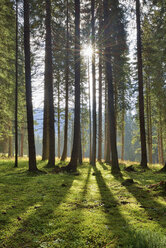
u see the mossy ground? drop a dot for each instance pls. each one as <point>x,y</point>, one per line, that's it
<point>92,209</point>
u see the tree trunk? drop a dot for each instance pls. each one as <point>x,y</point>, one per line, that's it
<point>111,111</point>
<point>72,166</point>
<point>80,150</point>
<point>16,91</point>
<point>45,151</point>
<point>90,124</point>
<point>161,141</point>
<point>116,102</point>
<point>150,132</point>
<point>122,134</point>
<point>64,154</point>
<point>10,143</point>
<point>94,85</point>
<point>59,134</point>
<point>149,121</point>
<point>49,80</point>
<point>140,87</point>
<point>106,122</point>
<point>22,142</point>
<point>159,149</point>
<point>100,88</point>
<point>31,140</point>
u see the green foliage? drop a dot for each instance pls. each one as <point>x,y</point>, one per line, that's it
<point>147,239</point>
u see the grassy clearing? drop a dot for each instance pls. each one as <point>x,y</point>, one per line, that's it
<point>92,209</point>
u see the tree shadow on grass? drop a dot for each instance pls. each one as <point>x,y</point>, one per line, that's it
<point>154,209</point>
<point>40,200</point>
<point>104,166</point>
<point>116,222</point>
<point>120,228</point>
<point>73,234</point>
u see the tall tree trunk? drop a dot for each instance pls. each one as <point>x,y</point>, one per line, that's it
<point>94,84</point>
<point>140,87</point>
<point>64,154</point>
<point>158,146</point>
<point>116,101</point>
<point>150,132</point>
<point>90,124</point>
<point>59,134</point>
<point>122,134</point>
<point>161,141</point>
<point>100,87</point>
<point>108,147</point>
<point>72,166</point>
<point>22,142</point>
<point>149,121</point>
<point>45,149</point>
<point>80,150</point>
<point>49,80</point>
<point>16,91</point>
<point>10,143</point>
<point>106,122</point>
<point>111,111</point>
<point>31,140</point>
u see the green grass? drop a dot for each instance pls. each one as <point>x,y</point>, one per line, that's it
<point>87,210</point>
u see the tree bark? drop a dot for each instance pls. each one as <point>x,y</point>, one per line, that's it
<point>149,120</point>
<point>122,134</point>
<point>31,140</point>
<point>93,85</point>
<point>140,88</point>
<point>111,111</point>
<point>10,143</point>
<point>159,148</point>
<point>45,151</point>
<point>59,134</point>
<point>80,150</point>
<point>49,80</point>
<point>22,142</point>
<point>90,124</point>
<point>161,141</point>
<point>16,91</point>
<point>72,166</point>
<point>100,88</point>
<point>64,154</point>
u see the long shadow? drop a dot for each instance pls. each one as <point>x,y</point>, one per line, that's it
<point>15,196</point>
<point>154,209</point>
<point>35,217</point>
<point>103,166</point>
<point>73,226</point>
<point>83,194</point>
<point>116,221</point>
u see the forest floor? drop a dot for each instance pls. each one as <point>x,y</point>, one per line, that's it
<point>90,209</point>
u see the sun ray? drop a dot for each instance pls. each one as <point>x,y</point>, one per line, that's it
<point>87,51</point>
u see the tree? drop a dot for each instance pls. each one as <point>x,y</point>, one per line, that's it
<point>49,80</point>
<point>90,124</point>
<point>140,89</point>
<point>31,141</point>
<point>100,84</point>
<point>16,91</point>
<point>64,154</point>
<point>111,111</point>
<point>93,85</point>
<point>72,166</point>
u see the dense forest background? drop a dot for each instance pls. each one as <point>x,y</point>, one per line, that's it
<point>123,50</point>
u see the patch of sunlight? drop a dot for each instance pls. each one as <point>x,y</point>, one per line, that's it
<point>17,221</point>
